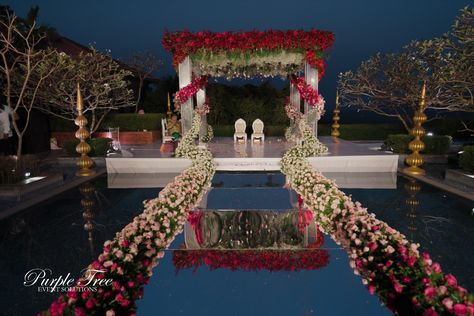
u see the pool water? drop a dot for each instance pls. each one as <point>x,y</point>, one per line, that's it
<point>247,253</point>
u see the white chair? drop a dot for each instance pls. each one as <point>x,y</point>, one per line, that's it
<point>164,131</point>
<point>257,127</point>
<point>240,127</point>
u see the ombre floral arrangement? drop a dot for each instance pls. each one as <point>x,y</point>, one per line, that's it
<point>407,281</point>
<point>130,257</point>
<point>246,44</point>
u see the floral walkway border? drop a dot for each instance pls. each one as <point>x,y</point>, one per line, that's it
<point>130,257</point>
<point>409,283</point>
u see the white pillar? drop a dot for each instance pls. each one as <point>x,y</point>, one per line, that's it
<point>295,98</point>
<point>185,77</point>
<point>311,77</point>
<point>200,100</point>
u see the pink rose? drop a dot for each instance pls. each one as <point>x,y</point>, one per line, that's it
<point>90,303</point>
<point>72,294</point>
<point>429,293</point>
<point>110,312</point>
<point>451,279</point>
<point>131,284</point>
<point>448,303</point>
<point>397,287</point>
<point>426,258</point>
<point>79,311</point>
<point>371,289</point>
<point>372,246</point>
<point>436,267</point>
<point>442,289</point>
<point>430,312</point>
<point>125,303</point>
<point>460,309</point>
<point>411,261</point>
<point>119,297</point>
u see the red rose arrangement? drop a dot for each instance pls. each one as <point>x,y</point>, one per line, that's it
<point>188,91</point>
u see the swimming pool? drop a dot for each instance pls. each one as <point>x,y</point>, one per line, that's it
<point>231,278</point>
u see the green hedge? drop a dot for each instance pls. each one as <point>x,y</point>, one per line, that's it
<point>348,132</point>
<point>268,130</point>
<point>99,147</point>
<point>466,161</point>
<point>362,131</point>
<point>434,145</point>
<point>126,121</point>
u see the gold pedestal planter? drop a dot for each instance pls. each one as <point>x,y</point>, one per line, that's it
<point>335,125</point>
<point>415,159</point>
<point>84,162</point>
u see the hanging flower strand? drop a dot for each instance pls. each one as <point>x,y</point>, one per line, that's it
<point>310,95</point>
<point>188,91</point>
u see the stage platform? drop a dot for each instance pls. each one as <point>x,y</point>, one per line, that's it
<point>343,157</point>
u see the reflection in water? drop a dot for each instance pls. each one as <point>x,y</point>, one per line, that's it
<point>412,187</point>
<point>251,240</point>
<point>88,204</point>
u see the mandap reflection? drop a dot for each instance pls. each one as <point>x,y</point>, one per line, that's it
<point>251,240</point>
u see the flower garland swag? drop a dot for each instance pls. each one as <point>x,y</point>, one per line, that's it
<point>130,257</point>
<point>389,264</point>
<point>188,91</point>
<point>309,94</point>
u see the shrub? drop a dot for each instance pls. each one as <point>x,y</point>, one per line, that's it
<point>434,145</point>
<point>466,161</point>
<point>133,122</point>
<point>126,121</point>
<point>99,147</point>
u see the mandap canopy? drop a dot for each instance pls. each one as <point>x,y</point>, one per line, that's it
<point>197,56</point>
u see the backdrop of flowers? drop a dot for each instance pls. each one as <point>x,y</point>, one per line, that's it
<point>266,53</point>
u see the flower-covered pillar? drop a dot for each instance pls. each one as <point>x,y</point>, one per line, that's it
<point>311,77</point>
<point>200,100</point>
<point>185,77</point>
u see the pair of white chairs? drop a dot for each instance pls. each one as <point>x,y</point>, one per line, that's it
<point>257,127</point>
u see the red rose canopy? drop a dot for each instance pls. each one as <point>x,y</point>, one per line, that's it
<point>247,54</point>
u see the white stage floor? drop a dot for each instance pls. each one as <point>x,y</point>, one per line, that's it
<point>343,157</point>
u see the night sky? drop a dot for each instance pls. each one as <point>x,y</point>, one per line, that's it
<point>362,28</point>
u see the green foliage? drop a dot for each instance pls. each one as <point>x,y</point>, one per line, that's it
<point>368,131</point>
<point>466,161</point>
<point>126,121</point>
<point>99,147</point>
<point>229,103</point>
<point>133,122</point>
<point>434,145</point>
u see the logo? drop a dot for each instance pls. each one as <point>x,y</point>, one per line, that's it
<point>45,281</point>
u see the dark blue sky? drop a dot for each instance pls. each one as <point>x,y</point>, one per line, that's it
<point>362,28</point>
